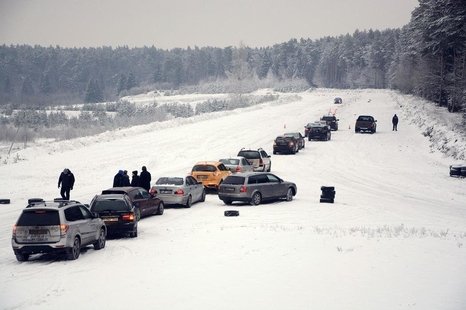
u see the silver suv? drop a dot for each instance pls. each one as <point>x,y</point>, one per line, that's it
<point>258,158</point>
<point>57,227</point>
<point>255,187</point>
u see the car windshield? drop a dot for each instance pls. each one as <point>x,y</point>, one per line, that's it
<point>365,118</point>
<point>109,205</point>
<point>230,161</point>
<point>328,118</point>
<point>234,180</point>
<point>291,134</point>
<point>250,154</point>
<point>39,218</point>
<point>206,168</point>
<point>170,181</point>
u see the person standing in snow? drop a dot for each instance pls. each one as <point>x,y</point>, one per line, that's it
<point>118,179</point>
<point>135,179</point>
<point>395,123</point>
<point>125,179</point>
<point>144,178</point>
<point>66,180</point>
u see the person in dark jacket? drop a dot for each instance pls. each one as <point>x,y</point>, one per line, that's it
<point>66,180</point>
<point>135,179</point>
<point>395,122</point>
<point>125,180</point>
<point>144,178</point>
<point>118,179</point>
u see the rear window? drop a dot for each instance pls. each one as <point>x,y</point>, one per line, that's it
<point>39,218</point>
<point>230,161</point>
<point>234,180</point>
<point>208,168</point>
<point>328,118</point>
<point>109,205</point>
<point>365,118</point>
<point>171,181</point>
<point>250,154</point>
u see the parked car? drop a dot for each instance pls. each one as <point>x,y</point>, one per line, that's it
<point>285,144</point>
<point>210,173</point>
<point>299,137</point>
<point>255,187</point>
<point>146,203</point>
<point>337,100</point>
<point>237,164</point>
<point>118,213</point>
<point>318,131</point>
<point>259,159</point>
<point>179,190</point>
<point>57,227</point>
<point>331,120</point>
<point>458,170</point>
<point>365,123</point>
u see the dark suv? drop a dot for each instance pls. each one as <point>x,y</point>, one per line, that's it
<point>318,131</point>
<point>145,203</point>
<point>118,213</point>
<point>285,144</point>
<point>366,123</point>
<point>331,120</point>
<point>258,158</point>
<point>57,227</point>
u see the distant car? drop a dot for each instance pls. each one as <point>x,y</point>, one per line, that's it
<point>146,203</point>
<point>365,123</point>
<point>118,213</point>
<point>237,164</point>
<point>210,173</point>
<point>458,170</point>
<point>180,190</point>
<point>285,144</point>
<point>337,100</point>
<point>259,159</point>
<point>318,131</point>
<point>299,137</point>
<point>255,187</point>
<point>57,227</point>
<point>331,120</point>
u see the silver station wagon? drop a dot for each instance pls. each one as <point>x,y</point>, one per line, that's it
<point>180,191</point>
<point>237,164</point>
<point>255,187</point>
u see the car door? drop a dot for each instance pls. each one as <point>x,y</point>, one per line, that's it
<point>276,186</point>
<point>266,160</point>
<point>149,203</point>
<point>194,188</point>
<point>93,224</point>
<point>264,186</point>
<point>77,224</point>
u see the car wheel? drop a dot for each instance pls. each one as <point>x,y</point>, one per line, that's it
<point>270,167</point>
<point>202,196</point>
<point>256,199</point>
<point>189,202</point>
<point>134,233</point>
<point>289,194</point>
<point>22,257</point>
<point>138,214</point>
<point>100,243</point>
<point>227,201</point>
<point>4,201</point>
<point>73,252</point>
<point>160,209</point>
<point>231,213</point>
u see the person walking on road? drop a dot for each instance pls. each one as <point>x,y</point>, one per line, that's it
<point>66,181</point>
<point>144,178</point>
<point>395,123</point>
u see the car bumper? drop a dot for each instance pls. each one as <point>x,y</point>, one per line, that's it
<point>173,199</point>
<point>282,149</point>
<point>234,197</point>
<point>120,228</point>
<point>29,248</point>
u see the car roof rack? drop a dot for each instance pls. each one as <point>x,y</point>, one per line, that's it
<point>61,203</point>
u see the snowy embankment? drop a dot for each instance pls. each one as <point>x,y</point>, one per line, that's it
<point>394,239</point>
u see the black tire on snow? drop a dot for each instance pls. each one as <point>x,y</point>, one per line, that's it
<point>203,196</point>
<point>189,202</point>
<point>231,213</point>
<point>73,252</point>
<point>289,194</point>
<point>161,208</point>
<point>32,201</point>
<point>256,199</point>
<point>4,201</point>
<point>326,200</point>
<point>22,257</point>
<point>227,202</point>
<point>100,242</point>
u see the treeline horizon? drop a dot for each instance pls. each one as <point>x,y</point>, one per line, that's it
<point>426,58</point>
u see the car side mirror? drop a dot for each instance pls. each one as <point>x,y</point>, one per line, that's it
<point>87,205</point>
<point>95,214</point>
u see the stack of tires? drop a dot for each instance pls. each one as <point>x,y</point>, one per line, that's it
<point>328,194</point>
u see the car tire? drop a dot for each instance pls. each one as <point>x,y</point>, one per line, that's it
<point>231,213</point>
<point>203,196</point>
<point>4,201</point>
<point>134,233</point>
<point>289,194</point>
<point>160,209</point>
<point>138,214</point>
<point>270,167</point>
<point>189,202</point>
<point>256,199</point>
<point>100,242</point>
<point>73,252</point>
<point>20,257</point>
<point>34,200</point>
<point>228,202</point>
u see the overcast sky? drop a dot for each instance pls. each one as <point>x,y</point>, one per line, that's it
<point>181,23</point>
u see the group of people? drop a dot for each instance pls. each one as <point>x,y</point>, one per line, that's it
<point>143,180</point>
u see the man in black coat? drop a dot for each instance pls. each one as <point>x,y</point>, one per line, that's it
<point>66,180</point>
<point>395,122</point>
<point>144,178</point>
<point>135,179</point>
<point>118,179</point>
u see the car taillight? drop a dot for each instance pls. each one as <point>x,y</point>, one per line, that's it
<point>64,229</point>
<point>243,189</point>
<point>128,217</point>
<point>261,162</point>
<point>14,231</point>
<point>238,169</point>
<point>179,192</point>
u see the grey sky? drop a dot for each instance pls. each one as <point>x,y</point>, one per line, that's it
<point>181,23</point>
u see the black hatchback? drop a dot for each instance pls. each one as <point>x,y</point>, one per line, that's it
<point>118,213</point>
<point>318,131</point>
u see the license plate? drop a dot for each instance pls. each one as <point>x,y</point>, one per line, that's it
<point>165,191</point>
<point>110,219</point>
<point>229,189</point>
<point>38,231</point>
<point>202,177</point>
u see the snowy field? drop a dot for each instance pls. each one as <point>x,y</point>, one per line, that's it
<point>395,238</point>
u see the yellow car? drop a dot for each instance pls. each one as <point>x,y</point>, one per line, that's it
<point>210,173</point>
